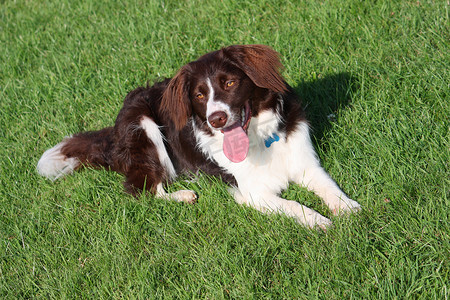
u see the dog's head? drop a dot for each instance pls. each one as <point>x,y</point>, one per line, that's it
<point>222,88</point>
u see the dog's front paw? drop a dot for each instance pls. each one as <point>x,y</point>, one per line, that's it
<point>345,205</point>
<point>314,220</point>
<point>323,223</point>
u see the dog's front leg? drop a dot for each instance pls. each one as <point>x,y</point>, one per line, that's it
<point>307,171</point>
<point>316,179</point>
<point>269,203</point>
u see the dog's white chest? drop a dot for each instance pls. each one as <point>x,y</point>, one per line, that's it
<point>270,159</point>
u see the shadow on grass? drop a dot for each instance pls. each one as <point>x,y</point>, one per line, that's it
<point>322,98</point>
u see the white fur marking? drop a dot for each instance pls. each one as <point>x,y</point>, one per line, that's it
<point>53,164</point>
<point>211,90</point>
<point>213,106</point>
<point>267,171</point>
<point>154,134</point>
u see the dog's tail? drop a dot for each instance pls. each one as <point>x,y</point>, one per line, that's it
<point>92,148</point>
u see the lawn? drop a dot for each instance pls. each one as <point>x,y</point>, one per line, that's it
<point>374,78</point>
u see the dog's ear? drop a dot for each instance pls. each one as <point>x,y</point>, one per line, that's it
<point>175,100</point>
<point>261,63</point>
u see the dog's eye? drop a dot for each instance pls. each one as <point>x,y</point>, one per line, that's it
<point>200,96</point>
<point>230,83</point>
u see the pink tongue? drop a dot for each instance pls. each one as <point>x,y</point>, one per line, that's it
<point>235,143</point>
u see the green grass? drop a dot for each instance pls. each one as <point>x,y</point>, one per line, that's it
<point>381,67</point>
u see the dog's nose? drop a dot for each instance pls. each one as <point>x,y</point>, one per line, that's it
<point>218,119</point>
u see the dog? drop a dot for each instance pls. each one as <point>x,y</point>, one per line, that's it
<point>228,114</point>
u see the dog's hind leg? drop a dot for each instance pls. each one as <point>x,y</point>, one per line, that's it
<point>147,163</point>
<point>187,196</point>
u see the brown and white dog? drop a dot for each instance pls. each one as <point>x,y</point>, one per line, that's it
<point>228,114</point>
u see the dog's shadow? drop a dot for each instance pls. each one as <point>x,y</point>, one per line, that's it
<point>323,97</point>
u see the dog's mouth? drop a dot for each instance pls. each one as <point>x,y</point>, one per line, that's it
<point>235,139</point>
<point>246,115</point>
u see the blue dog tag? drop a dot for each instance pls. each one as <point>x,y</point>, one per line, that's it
<point>274,138</point>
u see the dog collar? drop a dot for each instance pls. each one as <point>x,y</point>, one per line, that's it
<point>271,139</point>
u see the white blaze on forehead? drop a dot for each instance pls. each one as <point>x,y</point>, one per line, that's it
<point>213,105</point>
<point>210,90</point>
